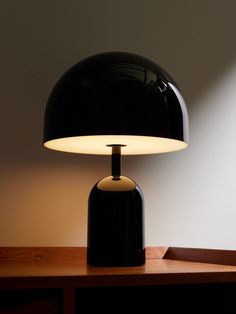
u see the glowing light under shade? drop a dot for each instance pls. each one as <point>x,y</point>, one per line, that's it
<point>97,144</point>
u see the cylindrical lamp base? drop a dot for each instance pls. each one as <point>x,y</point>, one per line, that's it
<point>115,223</point>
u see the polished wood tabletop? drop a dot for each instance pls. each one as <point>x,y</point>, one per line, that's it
<point>58,267</point>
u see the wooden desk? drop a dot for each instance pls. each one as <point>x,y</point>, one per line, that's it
<point>174,280</point>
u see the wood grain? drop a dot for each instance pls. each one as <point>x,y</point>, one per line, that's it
<point>50,268</point>
<point>51,254</point>
<point>212,256</point>
<point>41,254</point>
<point>153,252</point>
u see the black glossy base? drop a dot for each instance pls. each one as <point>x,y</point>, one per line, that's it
<point>115,259</point>
<point>115,224</point>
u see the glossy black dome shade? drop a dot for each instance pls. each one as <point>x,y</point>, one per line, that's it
<point>116,98</point>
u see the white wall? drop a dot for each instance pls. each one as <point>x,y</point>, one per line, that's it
<point>190,197</point>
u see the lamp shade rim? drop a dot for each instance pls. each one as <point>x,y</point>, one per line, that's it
<point>100,144</point>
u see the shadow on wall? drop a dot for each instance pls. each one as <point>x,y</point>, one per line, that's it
<point>197,44</point>
<point>193,40</point>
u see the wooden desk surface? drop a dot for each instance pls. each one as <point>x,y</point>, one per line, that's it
<point>66,267</point>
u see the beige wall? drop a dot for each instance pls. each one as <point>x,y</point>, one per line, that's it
<point>190,196</point>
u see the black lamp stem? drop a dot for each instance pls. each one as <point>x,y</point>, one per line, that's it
<point>116,161</point>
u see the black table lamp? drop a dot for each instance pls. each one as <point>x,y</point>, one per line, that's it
<point>116,103</point>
